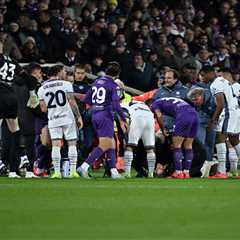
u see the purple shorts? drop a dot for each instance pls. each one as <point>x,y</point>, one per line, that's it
<point>103,124</point>
<point>186,124</point>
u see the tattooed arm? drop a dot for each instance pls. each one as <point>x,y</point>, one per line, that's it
<point>74,106</point>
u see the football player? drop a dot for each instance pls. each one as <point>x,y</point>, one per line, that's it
<point>184,131</point>
<point>104,99</point>
<point>56,97</point>
<point>9,69</point>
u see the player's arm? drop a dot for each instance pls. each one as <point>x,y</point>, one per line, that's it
<point>74,106</point>
<point>219,107</point>
<point>159,117</point>
<point>43,106</point>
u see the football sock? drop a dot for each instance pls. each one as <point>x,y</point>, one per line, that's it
<point>128,157</point>
<point>111,156</point>
<point>151,159</point>
<point>177,158</point>
<point>221,155</point>
<point>188,157</point>
<point>72,155</point>
<point>237,149</point>
<point>56,158</point>
<point>233,159</point>
<point>96,153</point>
<point>14,151</point>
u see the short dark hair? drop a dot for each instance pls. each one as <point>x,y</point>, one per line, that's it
<point>32,66</point>
<point>207,69</point>
<point>113,69</point>
<point>55,70</point>
<point>175,73</point>
<point>225,70</point>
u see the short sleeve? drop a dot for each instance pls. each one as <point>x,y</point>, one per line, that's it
<point>154,106</point>
<point>116,92</point>
<point>68,87</point>
<point>40,93</point>
<point>217,86</point>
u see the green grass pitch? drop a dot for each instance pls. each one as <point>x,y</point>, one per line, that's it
<point>124,209</point>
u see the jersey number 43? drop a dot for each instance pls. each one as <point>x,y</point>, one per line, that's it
<point>7,71</point>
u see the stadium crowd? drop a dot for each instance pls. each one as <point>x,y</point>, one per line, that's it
<point>177,49</point>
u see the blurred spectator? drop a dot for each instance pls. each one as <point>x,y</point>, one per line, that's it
<point>140,74</point>
<point>30,51</point>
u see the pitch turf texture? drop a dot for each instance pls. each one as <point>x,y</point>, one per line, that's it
<point>123,209</point>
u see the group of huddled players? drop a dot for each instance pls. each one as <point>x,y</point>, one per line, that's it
<point>215,98</point>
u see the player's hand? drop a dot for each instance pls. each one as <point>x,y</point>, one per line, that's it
<point>124,126</point>
<point>211,125</point>
<point>160,136</point>
<point>165,132</point>
<point>33,101</point>
<point>80,122</point>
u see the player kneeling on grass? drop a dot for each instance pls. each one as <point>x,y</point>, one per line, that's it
<point>56,98</point>
<point>184,132</point>
<point>141,127</point>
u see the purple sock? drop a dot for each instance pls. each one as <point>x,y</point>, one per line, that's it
<point>177,157</point>
<point>94,155</point>
<point>188,157</point>
<point>111,155</point>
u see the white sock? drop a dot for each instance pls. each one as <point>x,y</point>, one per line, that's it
<point>128,158</point>
<point>72,155</point>
<point>221,155</point>
<point>85,166</point>
<point>114,171</point>
<point>233,159</point>
<point>237,149</point>
<point>56,158</point>
<point>151,159</point>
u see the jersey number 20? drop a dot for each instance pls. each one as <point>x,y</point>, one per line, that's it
<point>59,97</point>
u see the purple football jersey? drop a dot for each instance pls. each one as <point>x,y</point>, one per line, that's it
<point>185,116</point>
<point>103,94</point>
<point>170,106</point>
<point>104,100</point>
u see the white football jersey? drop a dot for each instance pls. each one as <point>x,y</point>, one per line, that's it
<point>54,94</point>
<point>221,85</point>
<point>135,106</point>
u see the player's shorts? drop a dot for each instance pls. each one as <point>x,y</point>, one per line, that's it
<point>186,124</point>
<point>8,102</point>
<point>142,127</point>
<point>68,132</point>
<point>229,122</point>
<point>103,124</point>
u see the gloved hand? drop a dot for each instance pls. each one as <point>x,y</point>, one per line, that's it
<point>33,100</point>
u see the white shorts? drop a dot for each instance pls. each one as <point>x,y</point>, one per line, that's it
<point>229,123</point>
<point>142,127</point>
<point>69,132</point>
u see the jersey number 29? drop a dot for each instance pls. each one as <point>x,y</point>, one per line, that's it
<point>98,95</point>
<point>56,99</point>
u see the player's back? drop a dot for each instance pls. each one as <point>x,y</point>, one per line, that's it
<point>137,108</point>
<point>101,94</point>
<point>54,94</point>
<point>8,68</point>
<point>171,106</point>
